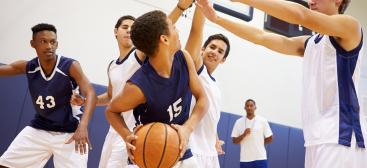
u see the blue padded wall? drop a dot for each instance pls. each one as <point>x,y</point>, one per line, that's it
<point>296,151</point>
<point>12,91</point>
<point>98,129</point>
<point>222,134</point>
<point>286,150</point>
<point>278,150</point>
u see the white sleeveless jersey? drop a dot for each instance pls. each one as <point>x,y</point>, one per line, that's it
<point>119,72</point>
<point>203,138</point>
<point>330,106</point>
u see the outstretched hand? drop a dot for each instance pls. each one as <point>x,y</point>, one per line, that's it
<point>184,134</point>
<point>81,140</point>
<point>218,147</point>
<point>76,99</point>
<point>128,141</point>
<point>207,8</point>
<point>184,4</point>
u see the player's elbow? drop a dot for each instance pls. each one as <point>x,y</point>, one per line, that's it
<point>268,140</point>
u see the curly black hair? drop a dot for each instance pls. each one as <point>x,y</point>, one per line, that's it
<point>147,29</point>
<point>43,26</point>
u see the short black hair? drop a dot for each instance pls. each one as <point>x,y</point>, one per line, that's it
<point>147,29</point>
<point>43,26</point>
<point>343,6</point>
<point>219,37</point>
<point>122,18</point>
<point>250,100</point>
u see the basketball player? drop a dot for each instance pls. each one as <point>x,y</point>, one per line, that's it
<point>119,71</point>
<point>334,131</point>
<point>57,128</point>
<point>163,85</point>
<point>204,140</point>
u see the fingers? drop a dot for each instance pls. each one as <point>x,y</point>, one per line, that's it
<point>89,144</point>
<point>183,144</point>
<point>71,139</point>
<point>130,148</point>
<point>183,141</point>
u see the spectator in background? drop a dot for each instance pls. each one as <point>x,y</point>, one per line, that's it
<point>252,132</point>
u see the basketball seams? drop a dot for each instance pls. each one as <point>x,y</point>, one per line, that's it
<point>165,144</point>
<point>145,140</point>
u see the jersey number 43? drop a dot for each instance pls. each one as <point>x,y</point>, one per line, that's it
<point>50,102</point>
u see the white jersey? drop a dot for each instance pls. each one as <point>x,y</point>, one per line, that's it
<point>119,72</point>
<point>330,106</point>
<point>252,146</point>
<point>204,136</point>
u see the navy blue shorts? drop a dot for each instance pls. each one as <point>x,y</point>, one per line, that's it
<point>254,164</point>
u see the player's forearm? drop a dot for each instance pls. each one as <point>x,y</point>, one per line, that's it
<point>194,42</point>
<point>90,103</point>
<point>103,99</point>
<point>198,112</point>
<point>175,14</point>
<point>117,122</point>
<point>16,68</point>
<point>288,11</point>
<point>268,140</point>
<point>237,140</point>
<point>244,30</point>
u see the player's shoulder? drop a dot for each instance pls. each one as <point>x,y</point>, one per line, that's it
<point>261,118</point>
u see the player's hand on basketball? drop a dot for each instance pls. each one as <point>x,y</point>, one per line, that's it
<point>76,99</point>
<point>184,134</point>
<point>207,8</point>
<point>129,146</point>
<point>81,140</point>
<point>184,4</point>
<point>218,147</point>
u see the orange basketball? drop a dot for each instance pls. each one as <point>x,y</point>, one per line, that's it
<point>157,146</point>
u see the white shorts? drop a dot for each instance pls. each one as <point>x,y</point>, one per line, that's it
<point>187,163</point>
<point>335,156</point>
<point>33,148</point>
<point>206,161</point>
<point>114,154</point>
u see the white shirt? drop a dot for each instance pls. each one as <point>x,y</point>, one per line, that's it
<point>252,146</point>
<point>119,72</point>
<point>330,107</point>
<point>203,138</point>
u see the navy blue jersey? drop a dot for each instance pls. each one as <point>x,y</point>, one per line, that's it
<point>51,96</point>
<point>167,99</point>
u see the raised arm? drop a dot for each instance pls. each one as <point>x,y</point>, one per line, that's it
<point>194,42</point>
<point>177,11</point>
<point>344,27</point>
<point>275,42</point>
<point>81,134</point>
<point>15,68</point>
<point>200,108</point>
<point>201,105</point>
<point>130,97</point>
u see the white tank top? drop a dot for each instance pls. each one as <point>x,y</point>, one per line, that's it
<point>203,138</point>
<point>119,72</point>
<point>330,106</point>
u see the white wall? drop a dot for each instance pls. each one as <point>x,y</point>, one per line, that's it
<point>85,33</point>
